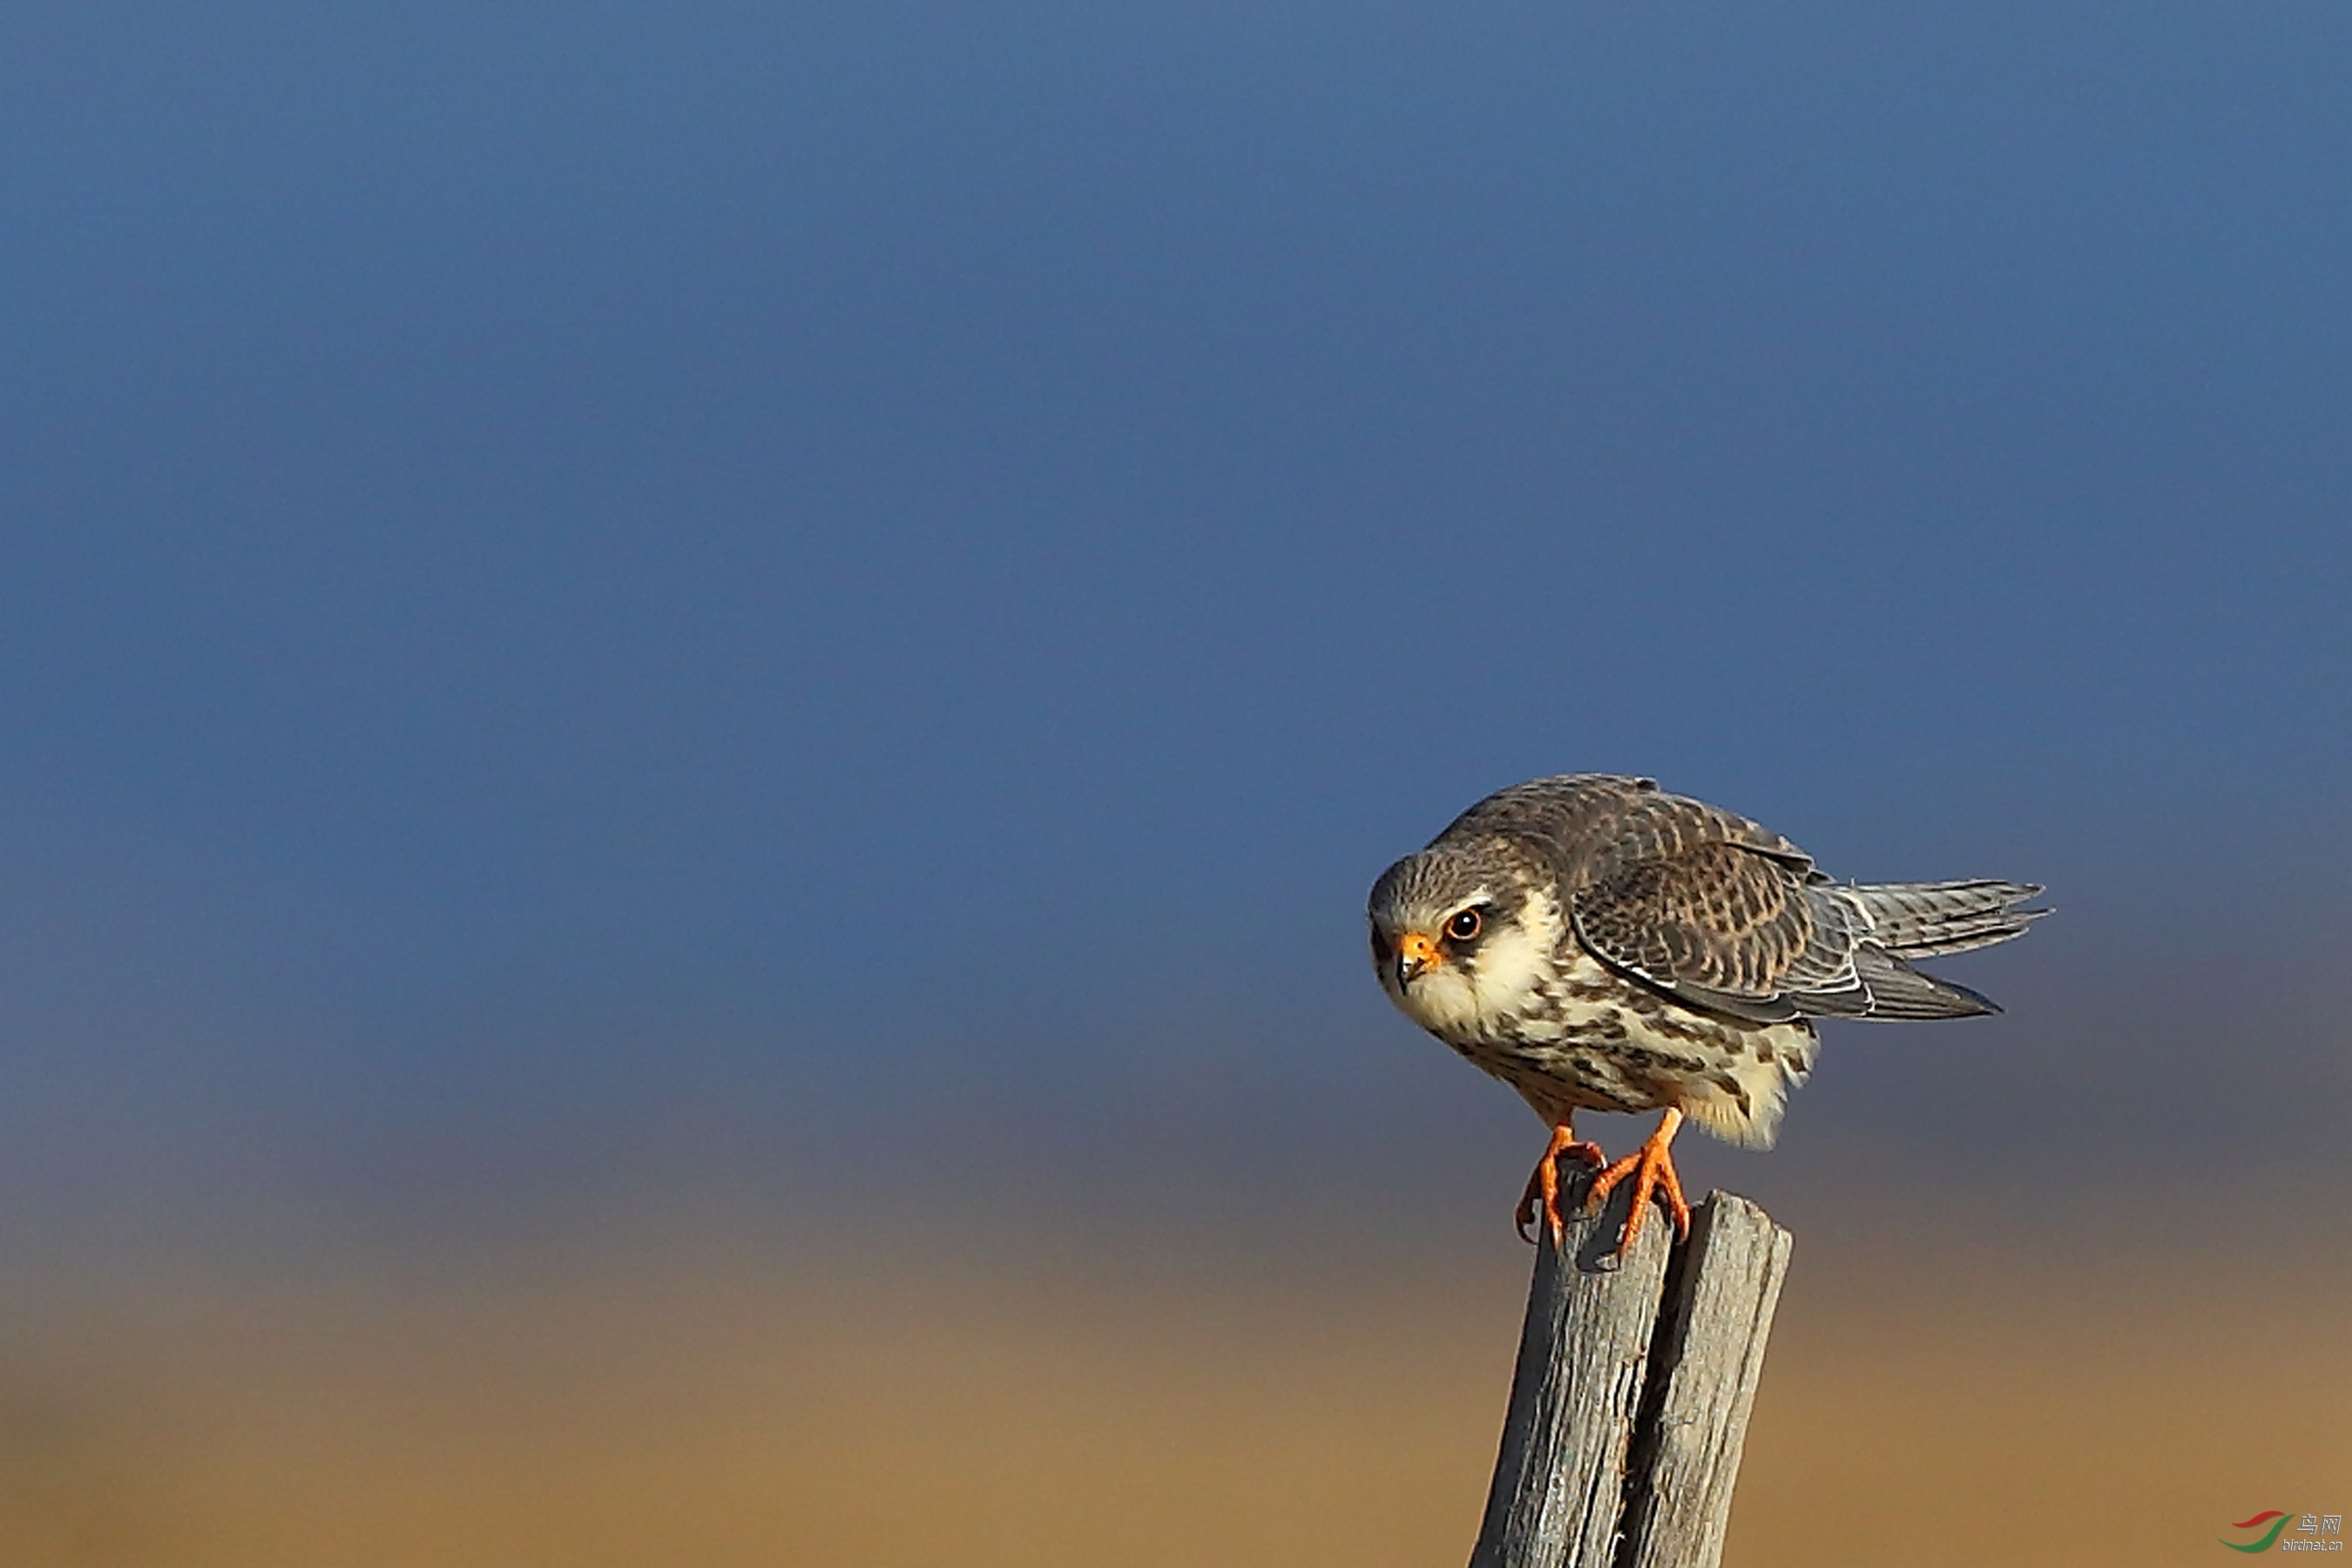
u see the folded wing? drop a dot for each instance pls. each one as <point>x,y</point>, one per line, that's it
<point>1759,934</point>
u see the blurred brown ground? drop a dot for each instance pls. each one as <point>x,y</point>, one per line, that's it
<point>1928,1401</point>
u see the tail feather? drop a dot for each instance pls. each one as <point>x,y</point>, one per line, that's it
<point>1924,920</point>
<point>1898,991</point>
<point>1882,985</point>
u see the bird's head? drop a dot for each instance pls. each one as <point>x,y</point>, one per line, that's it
<point>1462,935</point>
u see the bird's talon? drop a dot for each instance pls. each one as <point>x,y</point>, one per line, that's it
<point>1653,1169</point>
<point>1542,1193</point>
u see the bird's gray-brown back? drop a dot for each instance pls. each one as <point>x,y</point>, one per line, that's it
<point>1588,824</point>
<point>1728,916</point>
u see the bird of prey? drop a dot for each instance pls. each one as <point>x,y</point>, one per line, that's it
<point>1599,944</point>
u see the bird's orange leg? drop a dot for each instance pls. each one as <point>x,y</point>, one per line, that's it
<point>1653,1169</point>
<point>1543,1182</point>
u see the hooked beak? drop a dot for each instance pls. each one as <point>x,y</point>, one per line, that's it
<point>1415,952</point>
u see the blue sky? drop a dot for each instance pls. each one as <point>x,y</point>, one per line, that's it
<point>594,591</point>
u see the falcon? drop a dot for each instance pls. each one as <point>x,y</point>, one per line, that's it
<point>1601,944</point>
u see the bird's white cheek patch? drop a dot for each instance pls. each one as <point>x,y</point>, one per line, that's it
<point>1442,1000</point>
<point>1501,984</point>
<point>1512,970</point>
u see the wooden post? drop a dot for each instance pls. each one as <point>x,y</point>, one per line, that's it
<point>1633,1391</point>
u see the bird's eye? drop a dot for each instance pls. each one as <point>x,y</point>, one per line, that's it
<point>1465,926</point>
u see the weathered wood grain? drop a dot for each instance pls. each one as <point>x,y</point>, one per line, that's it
<point>1709,1355</point>
<point>1560,1482</point>
<point>1630,1398</point>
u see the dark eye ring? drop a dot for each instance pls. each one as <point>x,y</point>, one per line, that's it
<point>1465,926</point>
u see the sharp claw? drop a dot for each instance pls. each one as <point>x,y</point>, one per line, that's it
<point>1542,1194</point>
<point>1671,1186</point>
